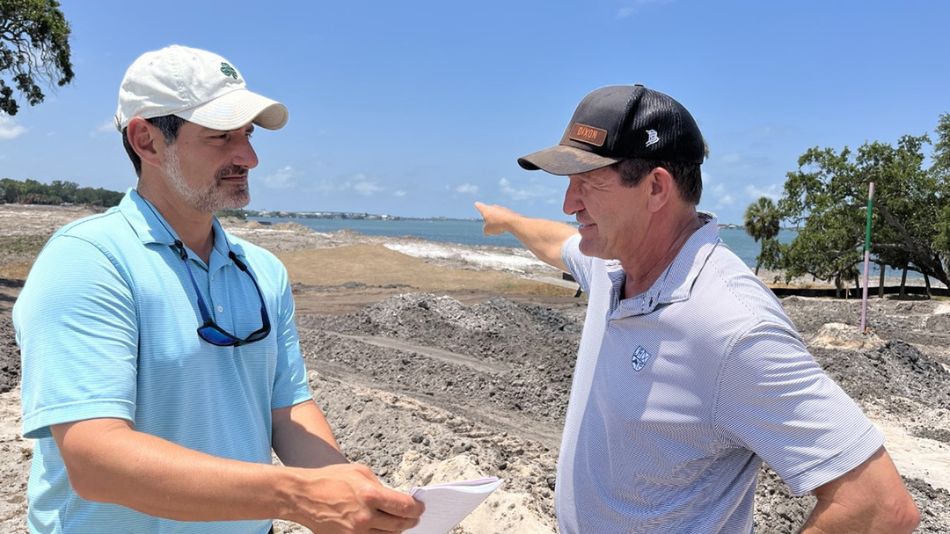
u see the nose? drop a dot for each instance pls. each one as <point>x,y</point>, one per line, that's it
<point>572,200</point>
<point>244,154</point>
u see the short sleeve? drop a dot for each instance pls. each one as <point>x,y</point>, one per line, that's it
<point>577,263</point>
<point>77,330</point>
<point>775,400</point>
<point>290,379</point>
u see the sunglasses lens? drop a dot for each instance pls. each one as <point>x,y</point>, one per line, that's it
<point>216,337</point>
<point>211,332</point>
<point>257,336</point>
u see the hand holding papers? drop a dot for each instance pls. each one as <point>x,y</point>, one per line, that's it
<point>448,504</point>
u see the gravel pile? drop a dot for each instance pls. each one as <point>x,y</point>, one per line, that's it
<point>9,355</point>
<point>512,356</point>
<point>897,370</point>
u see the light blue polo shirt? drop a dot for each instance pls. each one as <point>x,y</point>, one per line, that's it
<point>106,324</point>
<point>681,392</point>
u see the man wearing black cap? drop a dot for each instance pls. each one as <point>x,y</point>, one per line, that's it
<point>689,373</point>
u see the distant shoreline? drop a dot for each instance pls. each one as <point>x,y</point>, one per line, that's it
<point>39,221</point>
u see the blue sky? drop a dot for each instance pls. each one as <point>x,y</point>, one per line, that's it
<point>420,108</point>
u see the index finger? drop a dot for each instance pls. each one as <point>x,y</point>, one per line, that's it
<point>481,207</point>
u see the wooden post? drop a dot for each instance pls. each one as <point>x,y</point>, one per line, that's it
<point>867,260</point>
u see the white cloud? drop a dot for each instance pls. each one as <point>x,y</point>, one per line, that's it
<point>467,189</point>
<point>722,196</point>
<point>9,129</point>
<point>361,184</point>
<point>329,186</point>
<point>773,191</point>
<point>626,11</point>
<point>399,193</point>
<point>367,187</point>
<point>107,127</point>
<point>284,178</point>
<point>531,191</point>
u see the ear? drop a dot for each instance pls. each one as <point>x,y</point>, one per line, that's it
<point>662,189</point>
<point>146,141</point>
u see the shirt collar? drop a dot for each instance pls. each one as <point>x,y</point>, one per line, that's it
<point>676,282</point>
<point>151,227</point>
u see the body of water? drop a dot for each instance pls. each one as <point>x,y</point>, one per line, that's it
<point>469,232</point>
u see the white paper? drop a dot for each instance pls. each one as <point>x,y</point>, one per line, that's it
<point>448,504</point>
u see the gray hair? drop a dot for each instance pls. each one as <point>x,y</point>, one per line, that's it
<point>167,124</point>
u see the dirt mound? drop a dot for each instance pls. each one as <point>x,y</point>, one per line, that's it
<point>939,323</point>
<point>934,505</point>
<point>499,355</point>
<point>504,510</point>
<point>410,442</point>
<point>453,325</point>
<point>9,355</point>
<point>776,510</point>
<point>844,337</point>
<point>897,376</point>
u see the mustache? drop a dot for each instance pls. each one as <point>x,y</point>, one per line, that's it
<point>232,170</point>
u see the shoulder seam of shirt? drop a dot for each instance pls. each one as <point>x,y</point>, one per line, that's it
<point>102,250</point>
<point>70,226</point>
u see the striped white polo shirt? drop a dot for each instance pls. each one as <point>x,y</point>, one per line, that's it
<point>106,326</point>
<point>680,392</point>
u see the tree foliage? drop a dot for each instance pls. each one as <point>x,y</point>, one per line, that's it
<point>34,50</point>
<point>55,193</point>
<point>941,174</point>
<point>911,219</point>
<point>762,222</point>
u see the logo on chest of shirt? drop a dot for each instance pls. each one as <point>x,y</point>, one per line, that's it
<point>639,358</point>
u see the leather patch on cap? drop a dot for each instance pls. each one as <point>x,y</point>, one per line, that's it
<point>587,134</point>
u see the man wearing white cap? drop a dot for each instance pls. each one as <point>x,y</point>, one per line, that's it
<point>161,363</point>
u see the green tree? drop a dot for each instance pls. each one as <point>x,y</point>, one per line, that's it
<point>58,192</point>
<point>11,190</point>
<point>940,173</point>
<point>828,193</point>
<point>942,241</point>
<point>34,50</point>
<point>821,197</point>
<point>762,222</point>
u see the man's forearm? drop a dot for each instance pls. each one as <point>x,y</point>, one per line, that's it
<point>109,461</point>
<point>543,237</point>
<point>303,438</point>
<point>871,498</point>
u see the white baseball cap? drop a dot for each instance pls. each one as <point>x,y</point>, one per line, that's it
<point>196,85</point>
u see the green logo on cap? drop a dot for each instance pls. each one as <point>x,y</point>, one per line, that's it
<point>228,70</point>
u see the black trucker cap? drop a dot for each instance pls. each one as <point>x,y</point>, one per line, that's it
<point>620,122</point>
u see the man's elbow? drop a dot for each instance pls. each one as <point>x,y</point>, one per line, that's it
<point>84,481</point>
<point>82,448</point>
<point>901,514</point>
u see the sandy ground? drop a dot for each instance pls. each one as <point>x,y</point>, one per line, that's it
<point>437,362</point>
